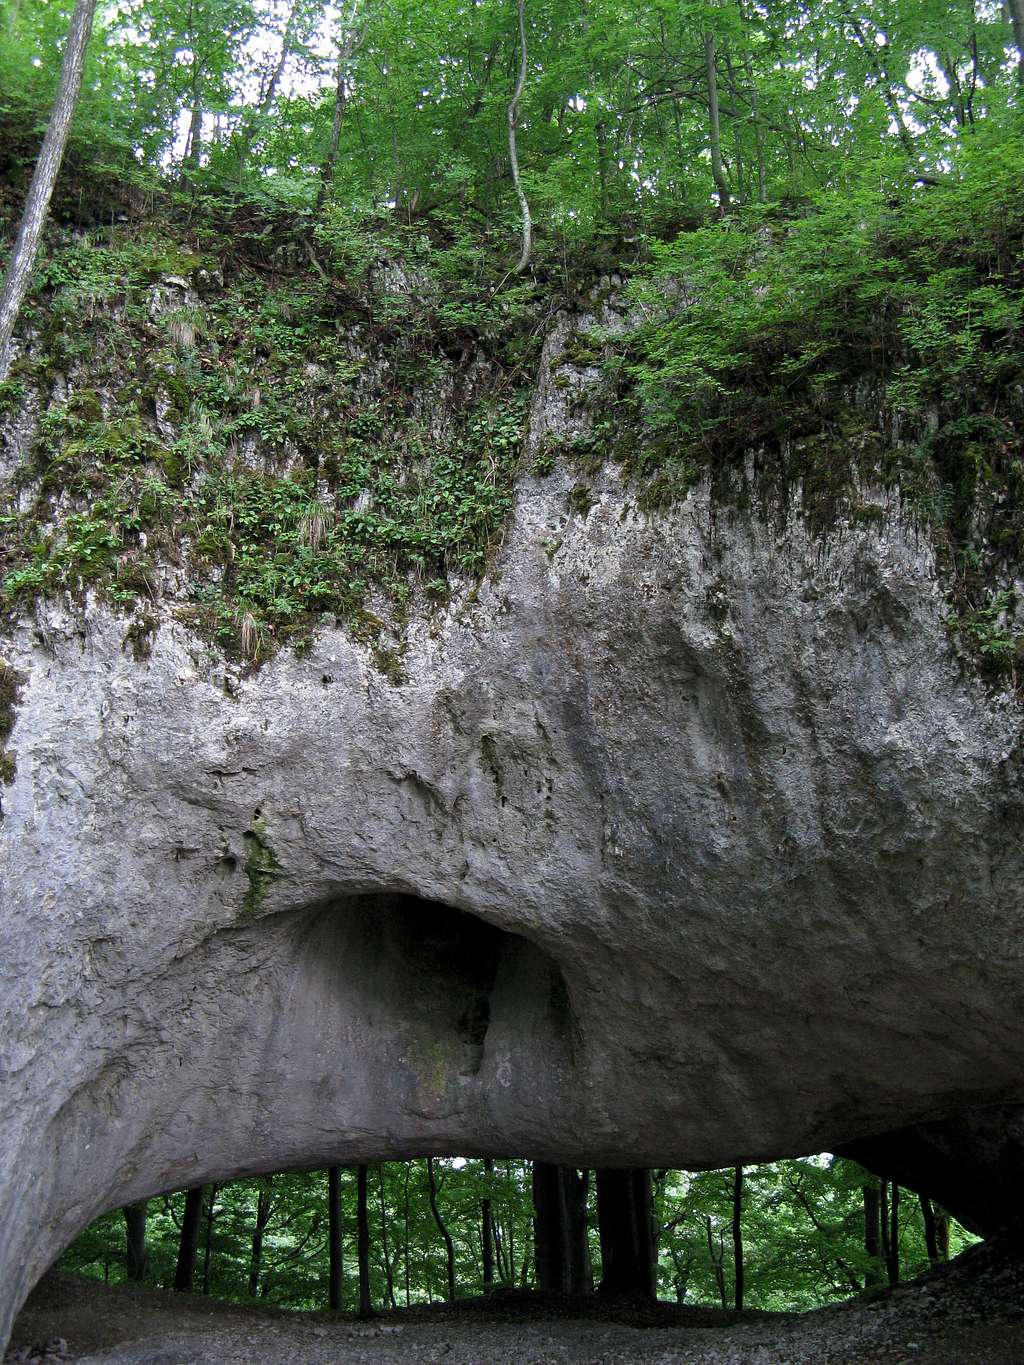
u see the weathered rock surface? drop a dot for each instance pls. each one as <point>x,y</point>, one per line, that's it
<point>685,841</point>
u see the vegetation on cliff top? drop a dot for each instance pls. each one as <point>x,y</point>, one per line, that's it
<point>284,240</point>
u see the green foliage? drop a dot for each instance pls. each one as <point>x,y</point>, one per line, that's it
<point>303,495</point>
<point>803,1227</point>
<point>11,683</point>
<point>870,339</point>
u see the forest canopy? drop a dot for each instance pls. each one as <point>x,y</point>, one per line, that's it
<point>640,114</point>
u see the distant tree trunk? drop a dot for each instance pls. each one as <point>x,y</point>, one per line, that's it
<point>883,1220</point>
<point>348,43</point>
<point>406,1249</point>
<point>135,1234</point>
<point>561,1249</point>
<point>626,1226</point>
<point>389,1277</point>
<point>942,1235</point>
<point>872,1234</point>
<point>208,1241</point>
<point>335,1255</point>
<point>715,122</point>
<point>185,1274</point>
<point>487,1228</point>
<point>194,138</point>
<point>44,177</point>
<point>894,1236</point>
<point>1016,9</point>
<point>513,107</point>
<point>259,1228</point>
<point>930,1239</point>
<point>449,1247</point>
<point>363,1245</point>
<point>716,1260</point>
<point>737,1235</point>
<point>251,125</point>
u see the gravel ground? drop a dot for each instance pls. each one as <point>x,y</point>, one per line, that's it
<point>969,1313</point>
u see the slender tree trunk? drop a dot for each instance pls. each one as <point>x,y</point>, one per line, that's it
<point>942,1235</point>
<point>389,1278</point>
<point>335,1254</point>
<point>194,139</point>
<point>348,42</point>
<point>894,1236</point>
<point>406,1234</point>
<point>185,1274</point>
<point>1016,10</point>
<point>487,1229</point>
<point>717,166</point>
<point>716,1261</point>
<point>524,207</point>
<point>930,1241</point>
<point>259,1228</point>
<point>737,1235</point>
<point>449,1247</point>
<point>248,133</point>
<point>208,1241</point>
<point>872,1234</point>
<point>363,1244</point>
<point>135,1233</point>
<point>883,1221</point>
<point>44,177</point>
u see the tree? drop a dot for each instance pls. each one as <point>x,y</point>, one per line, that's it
<point>336,1271</point>
<point>264,1208</point>
<point>135,1231</point>
<point>737,1237</point>
<point>184,1279</point>
<point>626,1225</point>
<point>33,218</point>
<point>513,152</point>
<point>561,1251</point>
<point>363,1252</point>
<point>486,1231</point>
<point>442,1227</point>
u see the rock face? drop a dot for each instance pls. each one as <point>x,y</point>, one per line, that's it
<point>685,841</point>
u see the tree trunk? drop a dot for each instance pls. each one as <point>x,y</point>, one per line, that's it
<point>737,1236</point>
<point>348,43</point>
<point>406,1247</point>
<point>524,207</point>
<point>626,1225</point>
<point>389,1278</point>
<point>363,1245</point>
<point>135,1231</point>
<point>716,1260</point>
<point>930,1241</point>
<point>251,125</point>
<point>185,1274</point>
<point>449,1246</point>
<point>942,1235</point>
<point>872,1234</point>
<point>208,1242</point>
<point>717,167</point>
<point>561,1248</point>
<point>487,1228</point>
<point>894,1236</point>
<point>37,202</point>
<point>259,1227</point>
<point>1016,9</point>
<point>335,1255</point>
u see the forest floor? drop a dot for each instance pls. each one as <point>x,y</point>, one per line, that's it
<point>968,1313</point>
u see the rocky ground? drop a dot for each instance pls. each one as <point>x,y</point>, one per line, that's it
<point>969,1313</point>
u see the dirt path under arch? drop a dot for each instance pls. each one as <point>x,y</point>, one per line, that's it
<point>969,1313</point>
